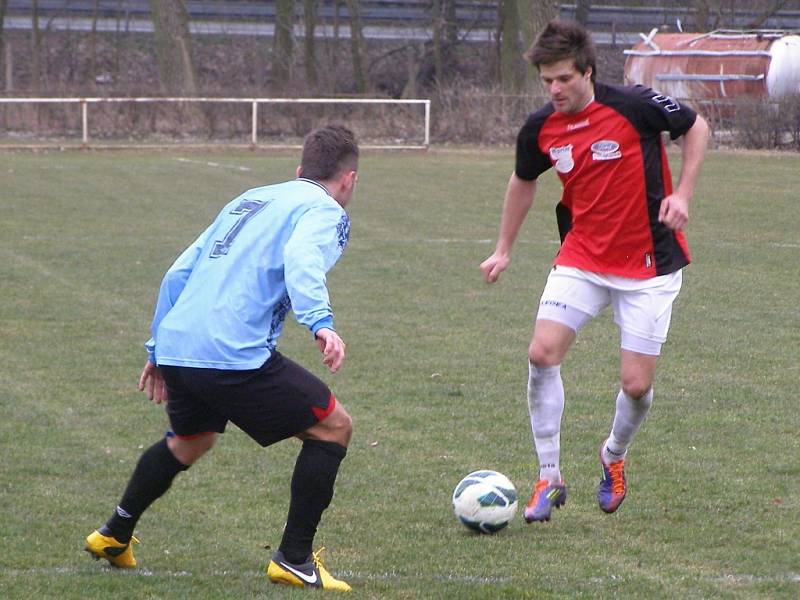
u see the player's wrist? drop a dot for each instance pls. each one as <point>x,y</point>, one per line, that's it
<point>324,323</point>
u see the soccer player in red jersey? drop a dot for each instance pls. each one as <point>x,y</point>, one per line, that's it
<point>622,244</point>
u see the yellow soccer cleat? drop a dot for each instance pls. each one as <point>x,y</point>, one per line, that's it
<point>116,553</point>
<point>310,574</point>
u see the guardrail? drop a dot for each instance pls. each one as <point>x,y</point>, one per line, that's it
<point>415,12</point>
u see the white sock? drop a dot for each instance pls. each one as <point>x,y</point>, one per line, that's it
<point>545,406</point>
<point>628,418</point>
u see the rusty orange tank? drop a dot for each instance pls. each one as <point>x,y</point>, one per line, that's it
<point>722,64</point>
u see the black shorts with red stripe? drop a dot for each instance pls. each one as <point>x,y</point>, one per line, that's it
<point>276,401</point>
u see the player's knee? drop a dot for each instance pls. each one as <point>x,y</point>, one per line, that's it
<point>190,449</point>
<point>543,354</point>
<point>344,428</point>
<point>336,427</point>
<point>635,386</point>
<point>340,421</point>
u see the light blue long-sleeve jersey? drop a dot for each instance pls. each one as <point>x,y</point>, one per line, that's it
<point>222,304</point>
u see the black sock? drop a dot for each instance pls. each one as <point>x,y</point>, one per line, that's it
<point>151,478</point>
<point>312,490</point>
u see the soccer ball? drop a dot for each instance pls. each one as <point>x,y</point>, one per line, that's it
<point>485,501</point>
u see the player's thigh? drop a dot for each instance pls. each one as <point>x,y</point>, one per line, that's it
<point>644,314</point>
<point>275,402</point>
<point>570,299</point>
<point>189,413</point>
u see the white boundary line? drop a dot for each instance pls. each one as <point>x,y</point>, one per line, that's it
<point>731,578</point>
<point>211,164</point>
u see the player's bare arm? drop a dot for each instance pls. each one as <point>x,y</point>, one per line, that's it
<point>674,211</point>
<point>151,382</point>
<point>332,348</point>
<point>518,201</point>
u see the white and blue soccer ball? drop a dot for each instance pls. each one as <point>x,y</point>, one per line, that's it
<point>485,501</point>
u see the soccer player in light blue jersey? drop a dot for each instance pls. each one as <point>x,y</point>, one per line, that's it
<point>212,357</point>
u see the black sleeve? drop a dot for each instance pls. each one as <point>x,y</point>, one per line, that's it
<point>531,161</point>
<point>658,112</point>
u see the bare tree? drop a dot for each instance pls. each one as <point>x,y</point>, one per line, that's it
<point>759,21</point>
<point>511,66</point>
<point>336,24</point>
<point>706,21</point>
<point>537,14</point>
<point>36,47</point>
<point>3,65</point>
<point>92,75</point>
<point>582,9</point>
<point>520,21</point>
<point>310,55</point>
<point>445,36</point>
<point>173,46</point>
<point>357,46</point>
<point>701,10</point>
<point>283,48</point>
<point>437,25</point>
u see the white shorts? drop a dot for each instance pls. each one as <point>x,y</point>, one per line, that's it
<point>642,307</point>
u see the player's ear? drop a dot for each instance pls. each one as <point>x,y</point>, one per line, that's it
<point>351,178</point>
<point>299,170</point>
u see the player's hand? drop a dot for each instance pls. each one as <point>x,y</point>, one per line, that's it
<point>332,348</point>
<point>152,382</point>
<point>493,266</point>
<point>674,212</point>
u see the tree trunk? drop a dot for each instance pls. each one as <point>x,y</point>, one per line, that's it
<point>336,24</point>
<point>437,25</point>
<point>3,65</point>
<point>310,54</point>
<point>510,56</point>
<point>582,11</point>
<point>759,21</point>
<point>450,23</point>
<point>701,15</point>
<point>173,47</point>
<point>92,75</point>
<point>445,37</point>
<point>283,48</point>
<point>36,47</point>
<point>535,15</point>
<point>357,46</point>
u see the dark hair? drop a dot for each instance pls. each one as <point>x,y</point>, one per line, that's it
<point>327,152</point>
<point>562,39</point>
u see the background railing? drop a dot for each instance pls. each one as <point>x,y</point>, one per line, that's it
<point>385,124</point>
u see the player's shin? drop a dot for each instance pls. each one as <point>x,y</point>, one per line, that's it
<point>628,418</point>
<point>546,407</point>
<point>151,478</point>
<point>311,492</point>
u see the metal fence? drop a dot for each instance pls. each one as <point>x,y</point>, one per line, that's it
<point>120,122</point>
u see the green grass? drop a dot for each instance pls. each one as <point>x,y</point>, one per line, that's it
<point>435,379</point>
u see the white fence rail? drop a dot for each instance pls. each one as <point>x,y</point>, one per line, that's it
<point>254,103</point>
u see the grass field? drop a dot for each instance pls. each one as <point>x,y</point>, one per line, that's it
<point>435,379</point>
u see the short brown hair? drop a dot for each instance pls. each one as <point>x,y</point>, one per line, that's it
<point>562,39</point>
<point>327,152</point>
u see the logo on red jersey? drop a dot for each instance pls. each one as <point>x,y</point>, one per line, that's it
<point>578,125</point>
<point>562,156</point>
<point>605,150</point>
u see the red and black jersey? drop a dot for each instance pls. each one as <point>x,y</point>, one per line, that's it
<point>612,163</point>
